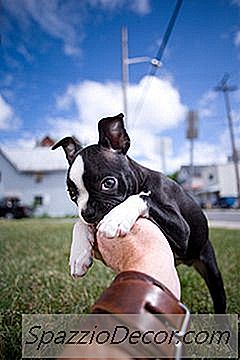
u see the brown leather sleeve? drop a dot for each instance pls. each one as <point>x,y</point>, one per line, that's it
<point>133,292</point>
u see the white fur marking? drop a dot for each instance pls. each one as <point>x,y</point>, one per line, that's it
<point>76,175</point>
<point>81,249</point>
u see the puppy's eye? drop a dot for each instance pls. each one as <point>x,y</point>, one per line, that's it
<point>109,183</point>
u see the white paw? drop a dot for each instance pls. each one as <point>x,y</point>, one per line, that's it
<point>119,221</point>
<point>80,263</point>
<point>81,250</point>
<point>113,225</point>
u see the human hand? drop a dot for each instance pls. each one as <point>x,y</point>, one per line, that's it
<point>143,249</point>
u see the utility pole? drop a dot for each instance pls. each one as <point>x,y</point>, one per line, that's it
<point>192,134</point>
<point>163,157</point>
<point>126,61</point>
<point>225,88</point>
<point>125,70</point>
<point>165,145</point>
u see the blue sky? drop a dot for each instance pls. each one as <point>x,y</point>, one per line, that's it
<point>60,71</point>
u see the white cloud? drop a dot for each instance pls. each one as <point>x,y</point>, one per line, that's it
<point>141,7</point>
<point>25,141</point>
<point>162,108</point>
<point>65,20</point>
<point>204,154</point>
<point>225,140</point>
<point>8,119</point>
<point>61,127</point>
<point>93,100</point>
<point>60,20</point>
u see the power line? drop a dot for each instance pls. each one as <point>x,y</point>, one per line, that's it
<point>167,34</point>
<point>158,57</point>
<point>126,61</point>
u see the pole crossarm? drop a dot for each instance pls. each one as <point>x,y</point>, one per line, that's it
<point>138,60</point>
<point>126,61</point>
<point>155,62</point>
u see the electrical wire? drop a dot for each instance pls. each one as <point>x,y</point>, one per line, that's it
<point>153,69</point>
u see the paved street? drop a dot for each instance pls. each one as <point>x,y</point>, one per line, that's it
<point>228,218</point>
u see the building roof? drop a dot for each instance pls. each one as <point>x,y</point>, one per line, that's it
<point>46,141</point>
<point>38,159</point>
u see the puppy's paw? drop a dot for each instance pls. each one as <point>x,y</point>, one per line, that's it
<point>112,226</point>
<point>80,263</point>
<point>81,250</point>
<point>119,221</point>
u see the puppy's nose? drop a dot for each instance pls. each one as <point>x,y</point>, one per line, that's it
<point>88,215</point>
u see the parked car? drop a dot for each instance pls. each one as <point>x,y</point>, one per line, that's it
<point>11,208</point>
<point>227,202</point>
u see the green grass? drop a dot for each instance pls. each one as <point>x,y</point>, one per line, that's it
<point>34,277</point>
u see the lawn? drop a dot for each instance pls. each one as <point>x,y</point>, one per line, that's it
<point>35,277</point>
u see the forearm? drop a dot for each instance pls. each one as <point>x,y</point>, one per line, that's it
<point>144,249</point>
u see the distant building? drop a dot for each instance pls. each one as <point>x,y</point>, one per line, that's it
<point>37,176</point>
<point>46,141</point>
<point>209,182</point>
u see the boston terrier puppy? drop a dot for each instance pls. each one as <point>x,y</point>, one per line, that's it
<point>112,191</point>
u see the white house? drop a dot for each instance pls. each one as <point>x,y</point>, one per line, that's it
<point>210,182</point>
<point>36,176</point>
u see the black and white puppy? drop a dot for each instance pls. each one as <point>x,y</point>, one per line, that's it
<point>112,191</point>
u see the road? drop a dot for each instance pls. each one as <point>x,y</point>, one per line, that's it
<point>227,218</point>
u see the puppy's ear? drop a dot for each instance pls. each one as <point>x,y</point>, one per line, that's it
<point>113,135</point>
<point>70,145</point>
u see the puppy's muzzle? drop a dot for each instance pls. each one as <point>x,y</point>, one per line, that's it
<point>89,215</point>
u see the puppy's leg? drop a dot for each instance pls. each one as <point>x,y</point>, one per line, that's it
<point>207,267</point>
<point>119,221</point>
<point>81,249</point>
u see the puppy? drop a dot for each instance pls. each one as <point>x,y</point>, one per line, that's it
<point>112,191</point>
